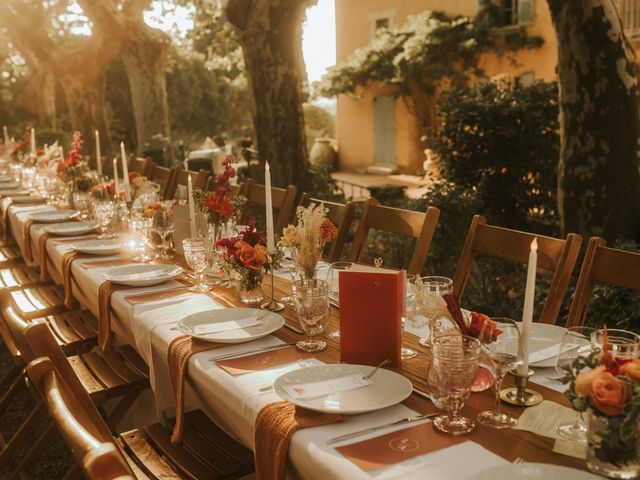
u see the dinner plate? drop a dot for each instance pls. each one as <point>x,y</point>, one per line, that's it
<point>532,471</point>
<point>97,247</point>
<point>28,199</point>
<point>271,322</point>
<point>142,275</point>
<point>14,193</point>
<point>543,336</point>
<point>70,228</point>
<point>53,216</point>
<point>388,388</point>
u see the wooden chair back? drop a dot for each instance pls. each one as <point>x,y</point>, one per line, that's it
<point>181,177</point>
<point>140,165</point>
<point>13,333</point>
<point>419,225</point>
<point>602,264</point>
<point>79,422</point>
<point>341,216</point>
<point>164,177</point>
<point>93,163</point>
<point>282,199</point>
<point>555,256</point>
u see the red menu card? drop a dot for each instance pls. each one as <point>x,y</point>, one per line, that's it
<point>372,305</point>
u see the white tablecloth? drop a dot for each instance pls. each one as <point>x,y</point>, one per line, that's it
<point>234,402</point>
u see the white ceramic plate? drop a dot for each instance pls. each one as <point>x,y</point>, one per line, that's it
<point>142,275</point>
<point>532,471</point>
<point>272,322</point>
<point>28,199</point>
<point>14,193</point>
<point>98,247</point>
<point>389,388</point>
<point>69,229</point>
<point>543,336</point>
<point>53,216</point>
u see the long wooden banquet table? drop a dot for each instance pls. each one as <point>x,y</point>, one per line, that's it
<point>234,401</point>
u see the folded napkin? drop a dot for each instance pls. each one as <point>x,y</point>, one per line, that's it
<point>155,296</point>
<point>26,235</point>
<point>104,308</point>
<point>68,241</point>
<point>180,351</point>
<point>114,262</point>
<point>275,425</point>
<point>67,260</point>
<point>42,245</point>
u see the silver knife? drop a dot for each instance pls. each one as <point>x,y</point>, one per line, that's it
<point>402,421</point>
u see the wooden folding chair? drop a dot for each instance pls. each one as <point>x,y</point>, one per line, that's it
<point>419,225</point>
<point>181,177</point>
<point>555,256</point>
<point>606,265</point>
<point>164,177</point>
<point>282,199</point>
<point>341,216</point>
<point>206,451</point>
<point>139,165</point>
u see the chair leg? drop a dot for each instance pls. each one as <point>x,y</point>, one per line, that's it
<point>73,473</point>
<point>19,436</point>
<point>9,383</point>
<point>33,453</point>
<point>122,408</point>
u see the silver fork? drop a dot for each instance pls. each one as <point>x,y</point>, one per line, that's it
<point>519,460</point>
<point>373,372</point>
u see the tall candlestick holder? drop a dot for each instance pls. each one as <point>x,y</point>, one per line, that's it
<point>272,305</point>
<point>520,395</point>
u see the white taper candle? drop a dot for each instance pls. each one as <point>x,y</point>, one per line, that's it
<point>271,243</point>
<point>192,208</point>
<point>98,154</point>
<point>125,173</point>
<point>527,312</point>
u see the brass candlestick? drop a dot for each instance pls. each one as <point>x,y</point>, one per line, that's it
<point>520,395</point>
<point>272,305</point>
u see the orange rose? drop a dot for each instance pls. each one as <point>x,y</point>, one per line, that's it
<point>584,380</point>
<point>247,255</point>
<point>261,254</point>
<point>290,236</point>
<point>609,394</point>
<point>631,369</point>
<point>328,230</point>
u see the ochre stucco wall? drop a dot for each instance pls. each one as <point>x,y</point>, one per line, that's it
<point>355,117</point>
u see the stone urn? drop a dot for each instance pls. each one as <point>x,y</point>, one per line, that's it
<point>323,153</point>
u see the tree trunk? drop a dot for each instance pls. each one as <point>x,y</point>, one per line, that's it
<point>85,101</point>
<point>270,35</point>
<point>598,177</point>
<point>145,61</point>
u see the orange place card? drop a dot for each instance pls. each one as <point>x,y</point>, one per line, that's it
<point>372,305</point>
<point>398,446</point>
<point>262,360</point>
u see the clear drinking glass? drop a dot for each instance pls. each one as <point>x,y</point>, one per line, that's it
<point>139,230</point>
<point>196,253</point>
<point>81,202</point>
<point>333,276</point>
<point>426,290</point>
<point>576,342</point>
<point>163,227</point>
<point>499,356</point>
<point>103,213</point>
<point>311,301</point>
<point>623,344</point>
<point>455,363</point>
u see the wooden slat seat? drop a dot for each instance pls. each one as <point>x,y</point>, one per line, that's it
<point>341,216</point>
<point>605,265</point>
<point>206,453</point>
<point>556,257</point>
<point>419,225</point>
<point>18,276</point>
<point>9,255</point>
<point>38,301</point>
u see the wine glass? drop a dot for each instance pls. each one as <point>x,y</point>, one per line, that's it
<point>426,289</point>
<point>196,253</point>
<point>103,213</point>
<point>455,363</point>
<point>576,342</point>
<point>500,342</point>
<point>333,277</point>
<point>81,203</point>
<point>311,301</point>
<point>163,227</point>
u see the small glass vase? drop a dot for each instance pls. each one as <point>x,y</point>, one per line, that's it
<point>626,468</point>
<point>250,287</point>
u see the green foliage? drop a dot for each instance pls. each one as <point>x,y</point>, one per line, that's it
<point>321,185</point>
<point>502,144</point>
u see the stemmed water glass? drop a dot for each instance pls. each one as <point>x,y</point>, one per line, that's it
<point>455,363</point>
<point>576,342</point>
<point>139,229</point>
<point>81,203</point>
<point>103,213</point>
<point>500,345</point>
<point>333,277</point>
<point>196,253</point>
<point>163,227</point>
<point>311,301</point>
<point>426,290</point>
